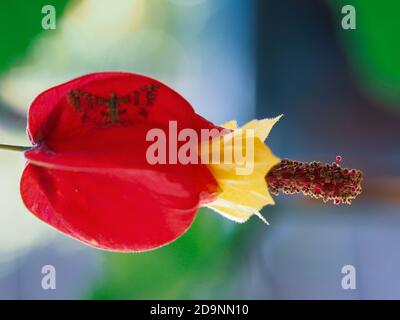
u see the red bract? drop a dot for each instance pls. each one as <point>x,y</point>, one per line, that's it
<point>87,174</point>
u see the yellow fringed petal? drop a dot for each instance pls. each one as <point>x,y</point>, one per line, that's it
<point>243,195</point>
<point>262,127</point>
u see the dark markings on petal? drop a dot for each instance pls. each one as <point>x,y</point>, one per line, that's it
<point>113,110</point>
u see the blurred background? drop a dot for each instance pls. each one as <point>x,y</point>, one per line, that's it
<point>232,59</point>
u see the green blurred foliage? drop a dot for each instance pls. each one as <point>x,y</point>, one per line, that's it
<point>374,47</point>
<point>21,22</point>
<point>197,265</point>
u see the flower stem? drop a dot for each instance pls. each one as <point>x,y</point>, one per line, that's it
<point>13,148</point>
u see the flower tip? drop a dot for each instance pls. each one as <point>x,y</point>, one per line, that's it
<point>258,214</point>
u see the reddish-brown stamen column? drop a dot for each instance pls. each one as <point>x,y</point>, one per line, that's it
<point>315,179</point>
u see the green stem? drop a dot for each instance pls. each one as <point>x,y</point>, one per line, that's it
<point>14,148</point>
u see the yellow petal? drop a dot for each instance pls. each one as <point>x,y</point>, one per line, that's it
<point>243,194</point>
<point>262,127</point>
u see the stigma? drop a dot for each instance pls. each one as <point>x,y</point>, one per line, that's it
<point>315,179</point>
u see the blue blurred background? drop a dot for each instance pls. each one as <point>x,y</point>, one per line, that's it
<point>232,59</point>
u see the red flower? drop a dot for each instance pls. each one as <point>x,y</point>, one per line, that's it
<point>87,174</point>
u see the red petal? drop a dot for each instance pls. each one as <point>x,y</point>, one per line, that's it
<point>111,211</point>
<point>54,120</point>
<point>89,176</point>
